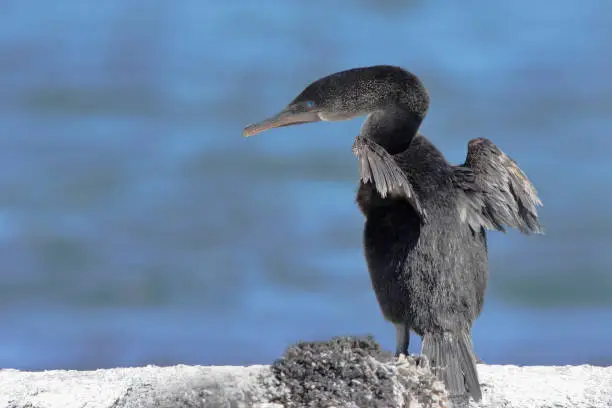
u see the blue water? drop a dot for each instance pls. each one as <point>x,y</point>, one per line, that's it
<point>138,227</point>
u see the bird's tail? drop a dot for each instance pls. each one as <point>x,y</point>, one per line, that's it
<point>452,358</point>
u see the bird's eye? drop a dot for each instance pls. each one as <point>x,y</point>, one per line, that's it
<point>310,104</point>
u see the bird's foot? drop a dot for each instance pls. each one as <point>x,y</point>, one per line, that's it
<point>419,360</point>
<point>402,357</point>
<point>422,361</point>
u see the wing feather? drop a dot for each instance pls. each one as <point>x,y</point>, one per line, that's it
<point>378,167</point>
<point>496,193</point>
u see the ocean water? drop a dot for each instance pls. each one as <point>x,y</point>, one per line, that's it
<point>138,227</point>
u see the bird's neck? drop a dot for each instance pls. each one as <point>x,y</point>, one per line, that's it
<point>393,128</point>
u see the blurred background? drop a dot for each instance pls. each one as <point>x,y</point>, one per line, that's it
<point>138,227</point>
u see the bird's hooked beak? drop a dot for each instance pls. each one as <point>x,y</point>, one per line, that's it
<point>291,115</point>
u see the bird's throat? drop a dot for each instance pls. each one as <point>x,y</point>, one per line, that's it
<point>392,128</point>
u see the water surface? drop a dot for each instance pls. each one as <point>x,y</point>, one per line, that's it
<point>138,227</point>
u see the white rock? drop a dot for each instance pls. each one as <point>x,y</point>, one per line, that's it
<point>582,386</point>
<point>189,386</point>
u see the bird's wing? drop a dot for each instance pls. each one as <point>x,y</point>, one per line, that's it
<point>495,191</point>
<point>380,168</point>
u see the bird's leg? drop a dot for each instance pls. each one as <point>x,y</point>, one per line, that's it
<point>402,339</point>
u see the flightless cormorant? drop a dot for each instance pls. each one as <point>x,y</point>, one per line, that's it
<point>425,219</point>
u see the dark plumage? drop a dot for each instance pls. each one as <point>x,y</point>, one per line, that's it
<point>424,238</point>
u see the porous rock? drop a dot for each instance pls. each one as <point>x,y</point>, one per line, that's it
<point>354,372</point>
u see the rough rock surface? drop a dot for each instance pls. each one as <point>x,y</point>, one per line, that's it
<point>353,372</point>
<point>343,372</point>
<point>178,386</point>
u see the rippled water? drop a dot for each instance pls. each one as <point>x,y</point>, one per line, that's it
<point>137,226</point>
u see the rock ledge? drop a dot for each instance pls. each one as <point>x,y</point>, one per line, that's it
<point>343,372</point>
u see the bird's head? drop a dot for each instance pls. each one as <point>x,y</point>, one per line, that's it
<point>351,93</point>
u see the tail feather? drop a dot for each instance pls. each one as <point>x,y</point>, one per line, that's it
<point>452,358</point>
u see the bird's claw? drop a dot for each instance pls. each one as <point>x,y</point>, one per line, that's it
<point>418,360</point>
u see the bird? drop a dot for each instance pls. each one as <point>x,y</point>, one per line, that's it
<point>426,220</point>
